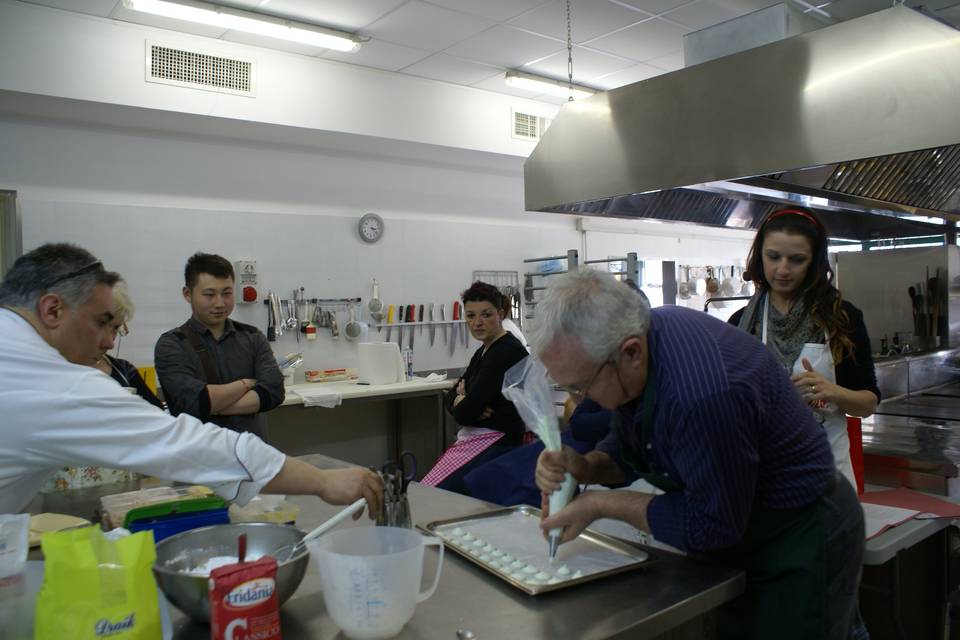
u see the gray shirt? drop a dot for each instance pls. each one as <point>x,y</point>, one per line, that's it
<point>241,352</point>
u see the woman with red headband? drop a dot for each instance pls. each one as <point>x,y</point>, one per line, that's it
<point>815,334</point>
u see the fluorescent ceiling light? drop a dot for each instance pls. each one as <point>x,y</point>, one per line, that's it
<point>246,21</point>
<point>539,84</point>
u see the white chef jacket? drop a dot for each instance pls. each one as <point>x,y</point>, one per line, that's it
<point>54,413</point>
<point>512,327</point>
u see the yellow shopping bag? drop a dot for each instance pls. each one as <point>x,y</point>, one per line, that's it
<point>95,588</point>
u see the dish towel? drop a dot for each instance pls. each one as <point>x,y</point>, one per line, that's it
<point>319,398</point>
<point>433,377</point>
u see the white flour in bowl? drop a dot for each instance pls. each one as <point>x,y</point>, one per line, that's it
<point>213,563</point>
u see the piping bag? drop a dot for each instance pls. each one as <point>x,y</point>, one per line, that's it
<point>526,384</point>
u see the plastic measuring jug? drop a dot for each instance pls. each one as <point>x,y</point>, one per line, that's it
<point>371,577</point>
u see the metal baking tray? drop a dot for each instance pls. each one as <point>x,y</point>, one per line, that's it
<point>515,532</point>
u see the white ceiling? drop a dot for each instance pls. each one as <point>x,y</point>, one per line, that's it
<point>473,42</point>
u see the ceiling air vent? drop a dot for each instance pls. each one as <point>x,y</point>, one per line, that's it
<point>199,70</point>
<point>527,126</point>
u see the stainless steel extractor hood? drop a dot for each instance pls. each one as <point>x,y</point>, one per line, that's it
<point>859,120</point>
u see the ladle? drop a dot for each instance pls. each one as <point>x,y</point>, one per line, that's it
<point>287,551</point>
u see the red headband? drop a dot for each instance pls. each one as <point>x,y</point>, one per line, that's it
<point>798,212</point>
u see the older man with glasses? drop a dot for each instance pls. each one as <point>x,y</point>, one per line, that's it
<point>57,317</point>
<point>704,413</point>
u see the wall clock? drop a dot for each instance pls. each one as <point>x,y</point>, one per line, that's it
<point>370,227</point>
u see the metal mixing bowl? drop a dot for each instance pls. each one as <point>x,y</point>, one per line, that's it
<point>179,554</point>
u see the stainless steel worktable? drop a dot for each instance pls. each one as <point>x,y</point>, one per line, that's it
<point>641,604</point>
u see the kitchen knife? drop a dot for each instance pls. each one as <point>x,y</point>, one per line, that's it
<point>443,319</point>
<point>389,321</point>
<point>421,320</point>
<point>400,318</point>
<point>412,313</point>
<point>433,327</point>
<point>454,327</point>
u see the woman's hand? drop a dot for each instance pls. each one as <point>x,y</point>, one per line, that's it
<point>814,388</point>
<point>818,391</point>
<point>461,392</point>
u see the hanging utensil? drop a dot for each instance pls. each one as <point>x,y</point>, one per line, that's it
<point>433,327</point>
<point>290,312</point>
<point>354,330</point>
<point>300,306</point>
<point>684,288</point>
<point>401,315</point>
<point>294,310</point>
<point>375,306</point>
<point>420,320</point>
<point>389,322</point>
<point>712,285</point>
<point>271,327</point>
<point>334,326</point>
<point>277,314</point>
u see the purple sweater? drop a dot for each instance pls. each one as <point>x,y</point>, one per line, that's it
<point>728,425</point>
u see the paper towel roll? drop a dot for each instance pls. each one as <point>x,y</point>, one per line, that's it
<point>380,363</point>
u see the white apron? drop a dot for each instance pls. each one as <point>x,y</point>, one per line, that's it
<point>833,419</point>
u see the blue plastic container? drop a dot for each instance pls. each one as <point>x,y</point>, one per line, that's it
<point>166,526</point>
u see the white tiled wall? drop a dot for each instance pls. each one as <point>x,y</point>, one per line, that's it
<point>144,202</point>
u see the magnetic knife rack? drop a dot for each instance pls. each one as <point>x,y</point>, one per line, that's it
<point>326,302</point>
<point>425,323</point>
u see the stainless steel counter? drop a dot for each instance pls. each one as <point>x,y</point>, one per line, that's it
<point>922,405</point>
<point>668,593</point>
<point>914,441</point>
<point>642,604</point>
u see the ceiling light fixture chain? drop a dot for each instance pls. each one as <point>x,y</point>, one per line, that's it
<point>569,54</point>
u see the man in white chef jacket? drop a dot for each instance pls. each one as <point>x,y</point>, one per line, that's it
<point>56,320</point>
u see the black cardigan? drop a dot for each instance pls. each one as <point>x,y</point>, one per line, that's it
<point>854,373</point>
<point>127,375</point>
<point>484,380</point>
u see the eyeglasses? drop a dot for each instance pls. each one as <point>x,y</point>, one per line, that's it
<point>121,331</point>
<point>88,268</point>
<point>582,389</point>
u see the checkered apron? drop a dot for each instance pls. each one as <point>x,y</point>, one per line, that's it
<point>458,454</point>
